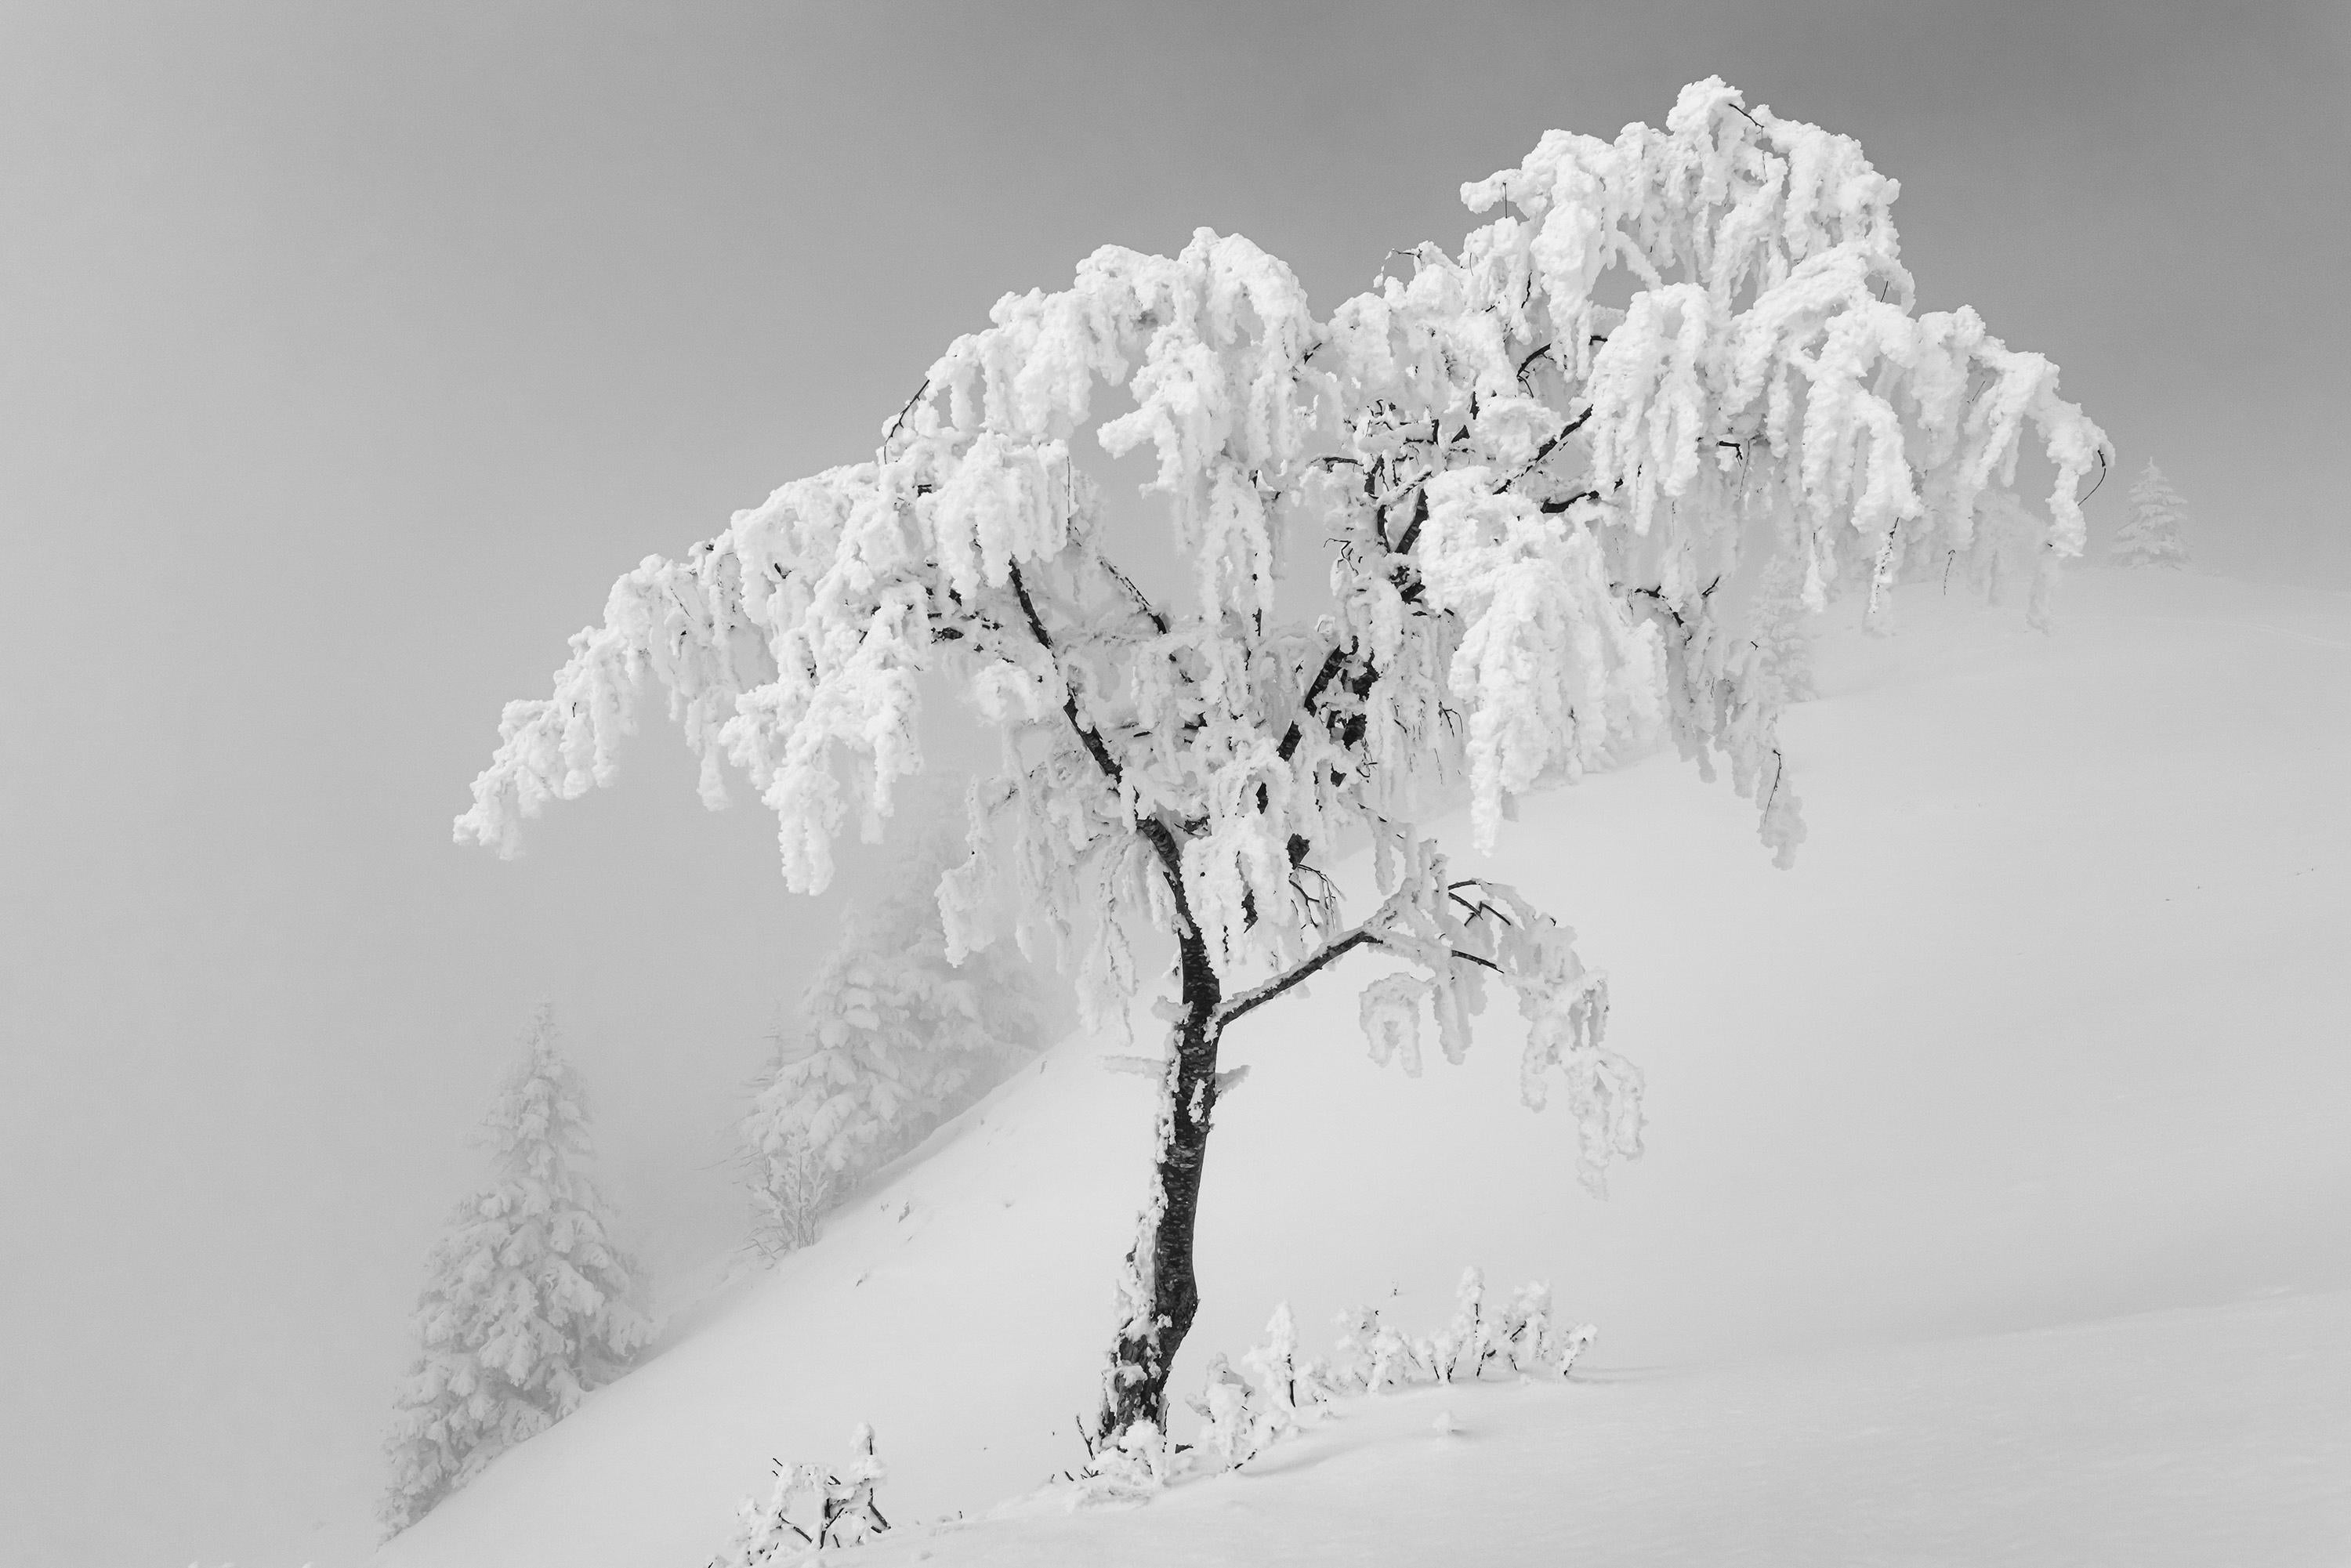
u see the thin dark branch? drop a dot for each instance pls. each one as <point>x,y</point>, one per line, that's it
<point>899,423</point>
<point>2101,479</point>
<point>1161,838</point>
<point>1419,516</point>
<point>1141,602</point>
<point>1258,995</point>
<point>1548,447</point>
<point>1331,665</point>
<point>1478,907</point>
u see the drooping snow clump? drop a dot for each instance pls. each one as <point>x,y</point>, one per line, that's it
<point>2156,534</point>
<point>528,1303</point>
<point>1779,626</point>
<point>1523,496</point>
<point>892,1039</point>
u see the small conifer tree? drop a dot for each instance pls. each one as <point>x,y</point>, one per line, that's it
<point>528,1303</point>
<point>2156,534</point>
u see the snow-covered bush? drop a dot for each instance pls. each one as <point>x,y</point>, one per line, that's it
<point>2155,533</point>
<point>1523,496</point>
<point>810,1508</point>
<point>528,1303</point>
<point>1520,1337</point>
<point>791,1185</point>
<point>892,1039</point>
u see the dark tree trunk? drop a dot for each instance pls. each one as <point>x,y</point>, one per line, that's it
<point>1135,1386</point>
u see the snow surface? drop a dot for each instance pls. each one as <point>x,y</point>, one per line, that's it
<point>2192,1437</point>
<point>2044,1028</point>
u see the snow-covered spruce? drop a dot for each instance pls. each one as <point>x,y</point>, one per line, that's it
<point>528,1303</point>
<point>810,1508</point>
<point>1525,499</point>
<point>2156,534</point>
<point>891,1039</point>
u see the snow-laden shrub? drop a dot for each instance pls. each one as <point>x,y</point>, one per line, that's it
<point>528,1303</point>
<point>810,1508</point>
<point>1275,1389</point>
<point>792,1184</point>
<point>892,1039</point>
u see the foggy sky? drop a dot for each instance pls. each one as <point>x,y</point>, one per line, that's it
<point>346,353</point>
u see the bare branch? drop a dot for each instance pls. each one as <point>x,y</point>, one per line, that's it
<point>899,423</point>
<point>1142,604</point>
<point>1331,665</point>
<point>1419,516</point>
<point>2100,480</point>
<point>1256,997</point>
<point>1548,447</point>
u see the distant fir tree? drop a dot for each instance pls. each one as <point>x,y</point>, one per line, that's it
<point>893,1038</point>
<point>2156,534</point>
<point>528,1303</point>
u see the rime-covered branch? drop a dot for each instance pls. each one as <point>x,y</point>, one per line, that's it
<point>1256,996</point>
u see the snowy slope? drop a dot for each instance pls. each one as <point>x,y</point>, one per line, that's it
<point>2194,1436</point>
<point>2044,1028</point>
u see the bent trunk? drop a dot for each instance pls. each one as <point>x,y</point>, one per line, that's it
<point>1159,1293</point>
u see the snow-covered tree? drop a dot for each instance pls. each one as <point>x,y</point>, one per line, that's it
<point>1525,466</point>
<point>893,1038</point>
<point>528,1303</point>
<point>2156,534</point>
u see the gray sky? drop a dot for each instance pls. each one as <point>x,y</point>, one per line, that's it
<point>347,352</point>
